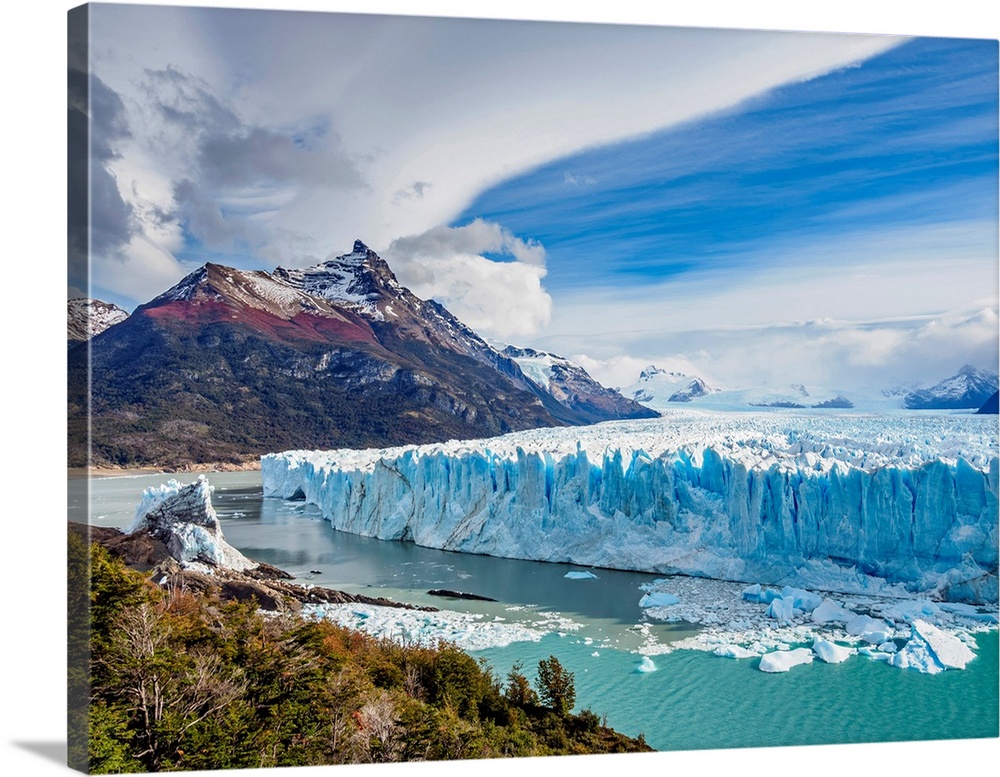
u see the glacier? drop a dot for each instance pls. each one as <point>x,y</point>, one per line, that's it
<point>845,503</point>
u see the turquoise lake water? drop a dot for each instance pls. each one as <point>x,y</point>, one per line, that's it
<point>694,700</point>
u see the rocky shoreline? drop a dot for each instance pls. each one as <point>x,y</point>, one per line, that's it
<point>265,584</point>
<point>176,539</point>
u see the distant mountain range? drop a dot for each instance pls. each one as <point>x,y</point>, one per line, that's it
<point>656,387</point>
<point>968,388</point>
<point>573,387</point>
<point>229,364</point>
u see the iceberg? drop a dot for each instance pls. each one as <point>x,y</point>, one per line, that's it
<point>830,611</point>
<point>783,660</point>
<point>646,665</point>
<point>830,652</point>
<point>734,651</point>
<point>931,650</point>
<point>182,517</point>
<point>743,497</point>
<point>658,599</point>
<point>580,576</point>
<point>781,610</point>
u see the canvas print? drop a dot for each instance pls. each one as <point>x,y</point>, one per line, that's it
<point>444,388</point>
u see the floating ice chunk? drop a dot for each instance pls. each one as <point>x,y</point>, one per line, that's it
<point>756,593</point>
<point>968,611</point>
<point>876,637</point>
<point>909,611</point>
<point>931,650</point>
<point>830,611</point>
<point>888,646</point>
<point>801,599</point>
<point>781,610</point>
<point>468,631</point>
<point>783,660</point>
<point>831,653</point>
<point>595,654</point>
<point>580,576</point>
<point>860,625</point>
<point>733,651</point>
<point>646,665</point>
<point>658,599</point>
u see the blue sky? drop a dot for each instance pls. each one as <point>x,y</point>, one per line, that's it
<point>750,206</point>
<point>906,140</point>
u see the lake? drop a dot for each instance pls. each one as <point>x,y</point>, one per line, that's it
<point>692,700</point>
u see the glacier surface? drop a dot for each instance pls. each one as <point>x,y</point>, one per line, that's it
<point>848,503</point>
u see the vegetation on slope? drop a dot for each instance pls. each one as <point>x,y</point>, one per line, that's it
<point>184,681</point>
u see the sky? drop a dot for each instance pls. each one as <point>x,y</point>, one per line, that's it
<point>751,207</point>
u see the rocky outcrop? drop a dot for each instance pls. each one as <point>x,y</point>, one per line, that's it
<point>176,537</point>
<point>183,519</point>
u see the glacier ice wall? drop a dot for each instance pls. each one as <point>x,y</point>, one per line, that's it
<point>781,509</point>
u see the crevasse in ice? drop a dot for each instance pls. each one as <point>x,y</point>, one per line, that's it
<point>826,503</point>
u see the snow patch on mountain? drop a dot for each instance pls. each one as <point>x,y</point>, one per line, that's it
<point>87,318</point>
<point>350,279</point>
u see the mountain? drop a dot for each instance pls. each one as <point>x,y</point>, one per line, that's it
<point>968,388</point>
<point>89,317</point>
<point>656,387</point>
<point>229,364</point>
<point>573,387</point>
<point>991,406</point>
<point>696,388</point>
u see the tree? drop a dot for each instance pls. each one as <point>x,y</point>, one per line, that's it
<point>519,691</point>
<point>555,686</point>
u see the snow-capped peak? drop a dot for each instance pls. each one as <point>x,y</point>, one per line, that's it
<point>89,317</point>
<point>969,387</point>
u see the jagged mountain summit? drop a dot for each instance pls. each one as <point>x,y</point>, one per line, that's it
<point>656,387</point>
<point>573,386</point>
<point>970,387</point>
<point>229,364</point>
<point>89,317</point>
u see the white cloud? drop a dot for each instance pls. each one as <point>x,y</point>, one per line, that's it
<point>501,299</point>
<point>424,112</point>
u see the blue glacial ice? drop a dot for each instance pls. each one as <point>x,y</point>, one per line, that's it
<point>846,503</point>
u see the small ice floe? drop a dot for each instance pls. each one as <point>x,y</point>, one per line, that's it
<point>733,651</point>
<point>969,611</point>
<point>468,631</point>
<point>931,650</point>
<point>874,631</point>
<point>658,599</point>
<point>782,610</point>
<point>646,665</point>
<point>595,654</point>
<point>911,610</point>
<point>801,599</point>
<point>830,652</point>
<point>783,660</point>
<point>755,593</point>
<point>582,575</point>
<point>830,611</point>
